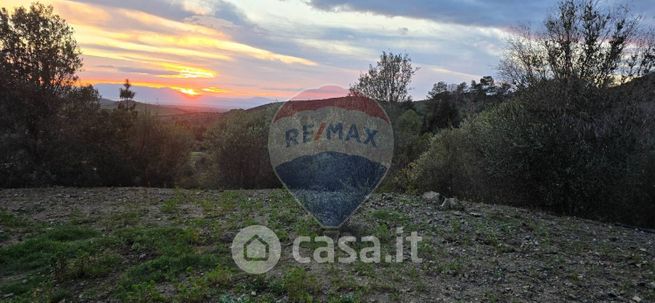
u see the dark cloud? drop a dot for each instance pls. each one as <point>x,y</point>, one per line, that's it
<point>475,12</point>
<point>174,9</point>
<point>503,13</point>
<point>229,12</point>
<point>159,8</point>
<point>145,71</point>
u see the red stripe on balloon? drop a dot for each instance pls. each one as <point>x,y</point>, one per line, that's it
<point>358,103</point>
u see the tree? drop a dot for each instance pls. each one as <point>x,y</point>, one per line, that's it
<point>38,49</point>
<point>54,132</point>
<point>488,85</point>
<point>126,97</point>
<point>157,150</point>
<point>407,134</point>
<point>461,88</point>
<point>574,133</point>
<point>409,143</point>
<point>38,60</point>
<point>441,112</point>
<point>388,81</point>
<point>580,43</point>
<point>237,148</point>
<point>437,89</point>
<point>569,140</point>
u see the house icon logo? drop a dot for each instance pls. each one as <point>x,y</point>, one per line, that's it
<point>256,249</point>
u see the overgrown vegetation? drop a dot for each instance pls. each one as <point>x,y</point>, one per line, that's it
<point>54,132</point>
<point>238,148</point>
<point>571,140</point>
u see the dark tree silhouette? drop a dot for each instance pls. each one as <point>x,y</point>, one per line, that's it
<point>582,42</point>
<point>126,97</point>
<point>388,81</point>
<point>38,63</point>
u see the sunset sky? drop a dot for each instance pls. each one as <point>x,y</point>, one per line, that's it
<point>232,53</point>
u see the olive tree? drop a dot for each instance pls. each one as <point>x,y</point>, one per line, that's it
<point>580,41</point>
<point>38,63</point>
<point>388,80</point>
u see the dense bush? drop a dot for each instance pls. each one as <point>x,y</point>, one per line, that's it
<point>577,138</point>
<point>92,147</point>
<point>157,151</point>
<point>588,153</point>
<point>409,144</point>
<point>238,148</point>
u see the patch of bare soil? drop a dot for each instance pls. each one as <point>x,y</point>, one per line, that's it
<point>483,253</point>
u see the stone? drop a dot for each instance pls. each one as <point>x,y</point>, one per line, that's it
<point>227,237</point>
<point>432,197</point>
<point>451,204</point>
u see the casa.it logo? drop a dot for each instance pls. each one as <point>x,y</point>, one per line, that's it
<point>256,249</point>
<point>331,153</point>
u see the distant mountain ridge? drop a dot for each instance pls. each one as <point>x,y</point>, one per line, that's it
<point>169,97</point>
<point>163,110</point>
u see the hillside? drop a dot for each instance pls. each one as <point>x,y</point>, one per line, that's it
<point>148,244</point>
<point>163,110</point>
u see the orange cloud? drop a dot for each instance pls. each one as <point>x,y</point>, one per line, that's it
<point>187,91</point>
<point>214,90</point>
<point>186,72</point>
<point>156,52</point>
<point>134,83</point>
<point>139,31</point>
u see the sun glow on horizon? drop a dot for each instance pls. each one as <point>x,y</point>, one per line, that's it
<point>264,49</point>
<point>187,91</point>
<point>162,53</point>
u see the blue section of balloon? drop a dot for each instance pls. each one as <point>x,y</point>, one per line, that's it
<point>331,185</point>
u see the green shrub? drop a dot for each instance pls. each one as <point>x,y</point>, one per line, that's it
<point>578,151</point>
<point>143,292</point>
<point>158,151</point>
<point>409,144</point>
<point>299,285</point>
<point>237,146</point>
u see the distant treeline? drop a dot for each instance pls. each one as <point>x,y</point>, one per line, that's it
<point>233,152</point>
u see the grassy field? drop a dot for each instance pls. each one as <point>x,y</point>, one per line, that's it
<point>166,245</point>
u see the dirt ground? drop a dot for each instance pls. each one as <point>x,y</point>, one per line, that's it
<point>152,245</point>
